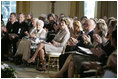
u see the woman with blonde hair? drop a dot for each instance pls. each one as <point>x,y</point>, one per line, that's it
<point>77,28</point>
<point>101,29</point>
<point>75,33</point>
<point>37,35</point>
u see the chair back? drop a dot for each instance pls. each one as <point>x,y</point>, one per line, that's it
<point>64,48</point>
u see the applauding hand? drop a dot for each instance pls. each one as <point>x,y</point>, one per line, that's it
<point>87,39</point>
<point>97,38</point>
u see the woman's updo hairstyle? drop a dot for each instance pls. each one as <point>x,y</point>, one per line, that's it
<point>102,26</point>
<point>67,21</point>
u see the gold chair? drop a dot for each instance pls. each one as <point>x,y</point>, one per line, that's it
<point>54,58</point>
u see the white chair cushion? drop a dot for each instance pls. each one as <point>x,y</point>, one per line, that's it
<point>54,53</point>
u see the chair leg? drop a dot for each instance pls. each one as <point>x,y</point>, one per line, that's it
<point>57,64</point>
<point>76,75</point>
<point>48,64</point>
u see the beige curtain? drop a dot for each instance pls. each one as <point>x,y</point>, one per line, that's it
<point>77,9</point>
<point>73,8</point>
<point>102,9</point>
<point>23,7</point>
<point>95,13</point>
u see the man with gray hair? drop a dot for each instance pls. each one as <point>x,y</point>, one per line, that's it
<point>86,36</point>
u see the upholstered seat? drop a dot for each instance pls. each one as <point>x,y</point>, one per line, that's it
<point>53,60</point>
<point>55,56</point>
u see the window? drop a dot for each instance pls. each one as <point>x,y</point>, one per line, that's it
<point>89,8</point>
<point>7,8</point>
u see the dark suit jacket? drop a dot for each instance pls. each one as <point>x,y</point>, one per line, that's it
<point>17,28</point>
<point>80,39</point>
<point>50,26</point>
<point>12,28</point>
<point>22,27</point>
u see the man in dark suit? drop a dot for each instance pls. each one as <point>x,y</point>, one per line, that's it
<point>22,26</point>
<point>85,37</point>
<point>11,28</point>
<point>15,31</point>
<point>28,20</point>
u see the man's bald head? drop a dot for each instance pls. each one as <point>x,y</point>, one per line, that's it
<point>89,25</point>
<point>91,22</point>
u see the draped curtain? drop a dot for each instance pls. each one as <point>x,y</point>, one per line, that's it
<point>102,9</point>
<point>77,9</point>
<point>23,7</point>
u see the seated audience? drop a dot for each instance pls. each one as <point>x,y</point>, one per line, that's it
<point>29,21</point>
<point>89,26</point>
<point>75,61</point>
<point>15,30</point>
<point>37,35</point>
<point>75,33</point>
<point>22,26</point>
<point>51,20</point>
<point>82,39</point>
<point>11,34</point>
<point>51,34</point>
<point>56,45</point>
<point>100,34</point>
<point>112,60</point>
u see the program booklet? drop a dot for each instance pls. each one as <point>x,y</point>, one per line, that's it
<point>13,34</point>
<point>84,50</point>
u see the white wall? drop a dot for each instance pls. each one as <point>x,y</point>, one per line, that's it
<point>39,7</point>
